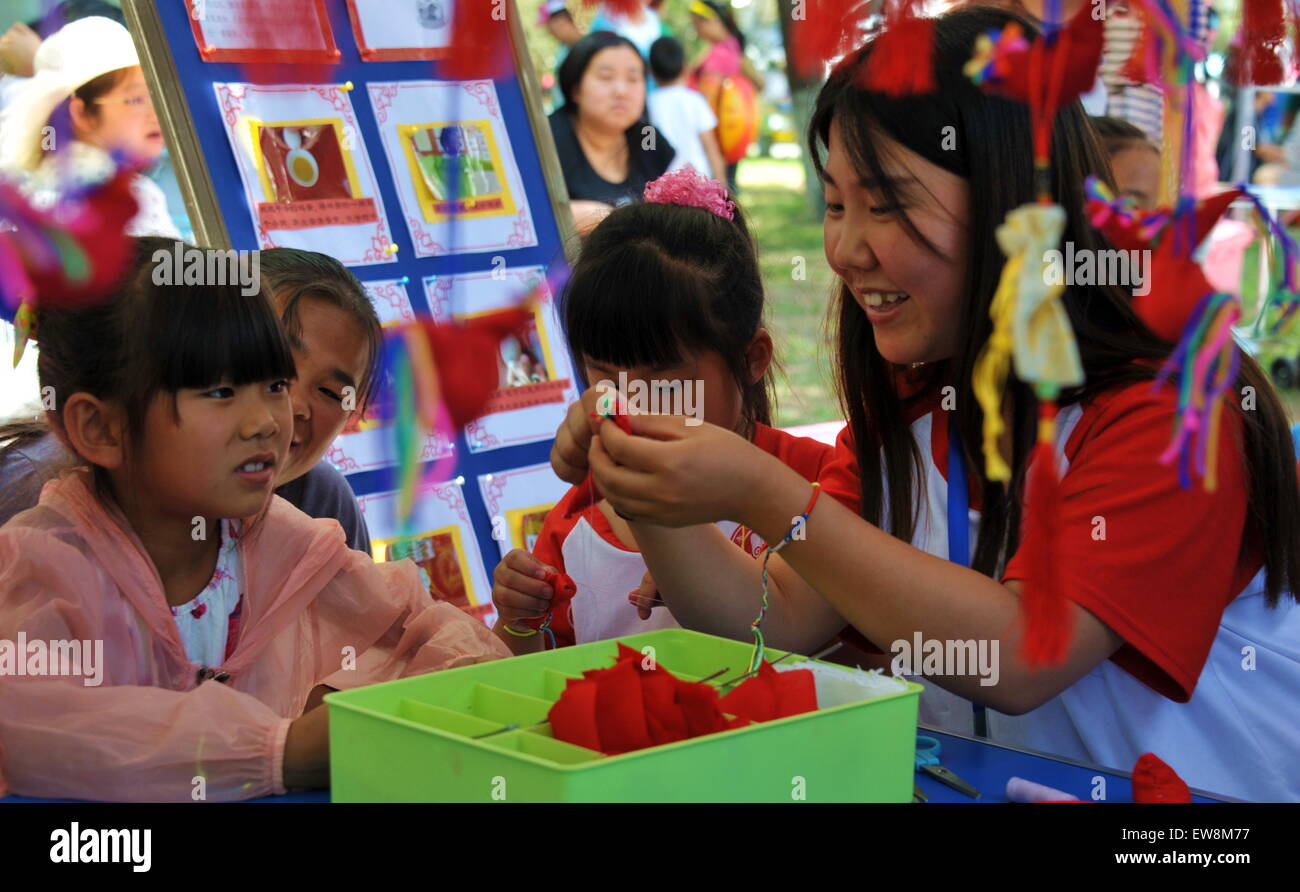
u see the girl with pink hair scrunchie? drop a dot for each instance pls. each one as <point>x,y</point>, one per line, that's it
<point>666,304</point>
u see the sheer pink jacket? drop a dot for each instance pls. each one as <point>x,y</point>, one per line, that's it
<point>315,612</point>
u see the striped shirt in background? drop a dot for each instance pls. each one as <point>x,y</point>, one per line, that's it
<point>1140,104</point>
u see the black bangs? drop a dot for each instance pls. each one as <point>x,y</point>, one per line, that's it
<point>656,282</point>
<point>210,335</point>
<point>635,307</point>
<point>648,287</point>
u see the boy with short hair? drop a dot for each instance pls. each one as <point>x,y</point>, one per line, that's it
<point>683,115</point>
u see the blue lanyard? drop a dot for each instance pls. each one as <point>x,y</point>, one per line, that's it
<point>959,527</point>
<point>958,500</point>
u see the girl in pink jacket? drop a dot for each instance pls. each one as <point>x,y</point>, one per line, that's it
<point>167,626</point>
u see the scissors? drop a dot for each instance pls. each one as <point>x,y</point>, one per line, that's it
<point>927,761</point>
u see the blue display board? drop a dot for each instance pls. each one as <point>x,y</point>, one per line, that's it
<point>203,115</point>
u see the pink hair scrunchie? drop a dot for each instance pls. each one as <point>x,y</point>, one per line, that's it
<point>690,188</point>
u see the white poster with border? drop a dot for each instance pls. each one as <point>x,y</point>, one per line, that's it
<point>517,501</point>
<point>367,444</point>
<point>443,546</point>
<point>423,126</point>
<point>391,299</point>
<point>395,32</point>
<point>306,174</point>
<point>535,375</point>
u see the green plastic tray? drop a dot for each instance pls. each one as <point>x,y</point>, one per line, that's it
<point>412,740</point>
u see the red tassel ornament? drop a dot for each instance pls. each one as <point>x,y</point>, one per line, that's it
<point>1043,604</point>
<point>1263,34</point>
<point>480,41</point>
<point>902,57</point>
<point>466,358</point>
<point>827,30</point>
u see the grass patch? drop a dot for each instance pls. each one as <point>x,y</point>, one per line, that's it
<point>785,230</point>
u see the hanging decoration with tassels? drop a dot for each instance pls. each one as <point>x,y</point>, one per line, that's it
<point>1031,330</point>
<point>827,30</point>
<point>480,42</point>
<point>1183,308</point>
<point>440,375</point>
<point>901,60</point>
<point>73,253</point>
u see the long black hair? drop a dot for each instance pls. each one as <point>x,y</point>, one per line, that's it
<point>656,280</point>
<point>987,141</point>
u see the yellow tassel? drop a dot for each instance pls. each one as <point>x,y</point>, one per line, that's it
<point>989,376</point>
<point>1030,326</point>
<point>1212,449</point>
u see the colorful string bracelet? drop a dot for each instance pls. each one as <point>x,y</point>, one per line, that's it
<point>756,626</point>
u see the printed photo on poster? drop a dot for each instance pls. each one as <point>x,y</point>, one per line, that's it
<point>307,177</point>
<point>293,31</point>
<point>306,174</point>
<point>522,359</point>
<point>443,546</point>
<point>518,501</point>
<point>397,30</point>
<point>453,165</point>
<point>440,557</point>
<point>524,372</point>
<point>457,170</point>
<point>535,379</point>
<point>526,525</point>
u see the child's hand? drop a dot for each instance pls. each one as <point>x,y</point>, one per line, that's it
<point>676,473</point>
<point>645,597</point>
<point>519,589</point>
<point>573,439</point>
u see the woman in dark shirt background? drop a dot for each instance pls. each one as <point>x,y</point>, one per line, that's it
<point>607,149</point>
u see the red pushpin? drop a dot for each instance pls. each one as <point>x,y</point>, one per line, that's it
<point>561,584</point>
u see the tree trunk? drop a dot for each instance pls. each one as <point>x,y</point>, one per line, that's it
<point>803,98</point>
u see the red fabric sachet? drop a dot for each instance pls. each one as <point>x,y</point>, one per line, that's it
<point>561,584</point>
<point>466,357</point>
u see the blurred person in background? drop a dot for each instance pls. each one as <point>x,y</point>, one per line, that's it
<point>607,149</point>
<point>683,115</point>
<point>727,79</point>
<point>1134,160</point>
